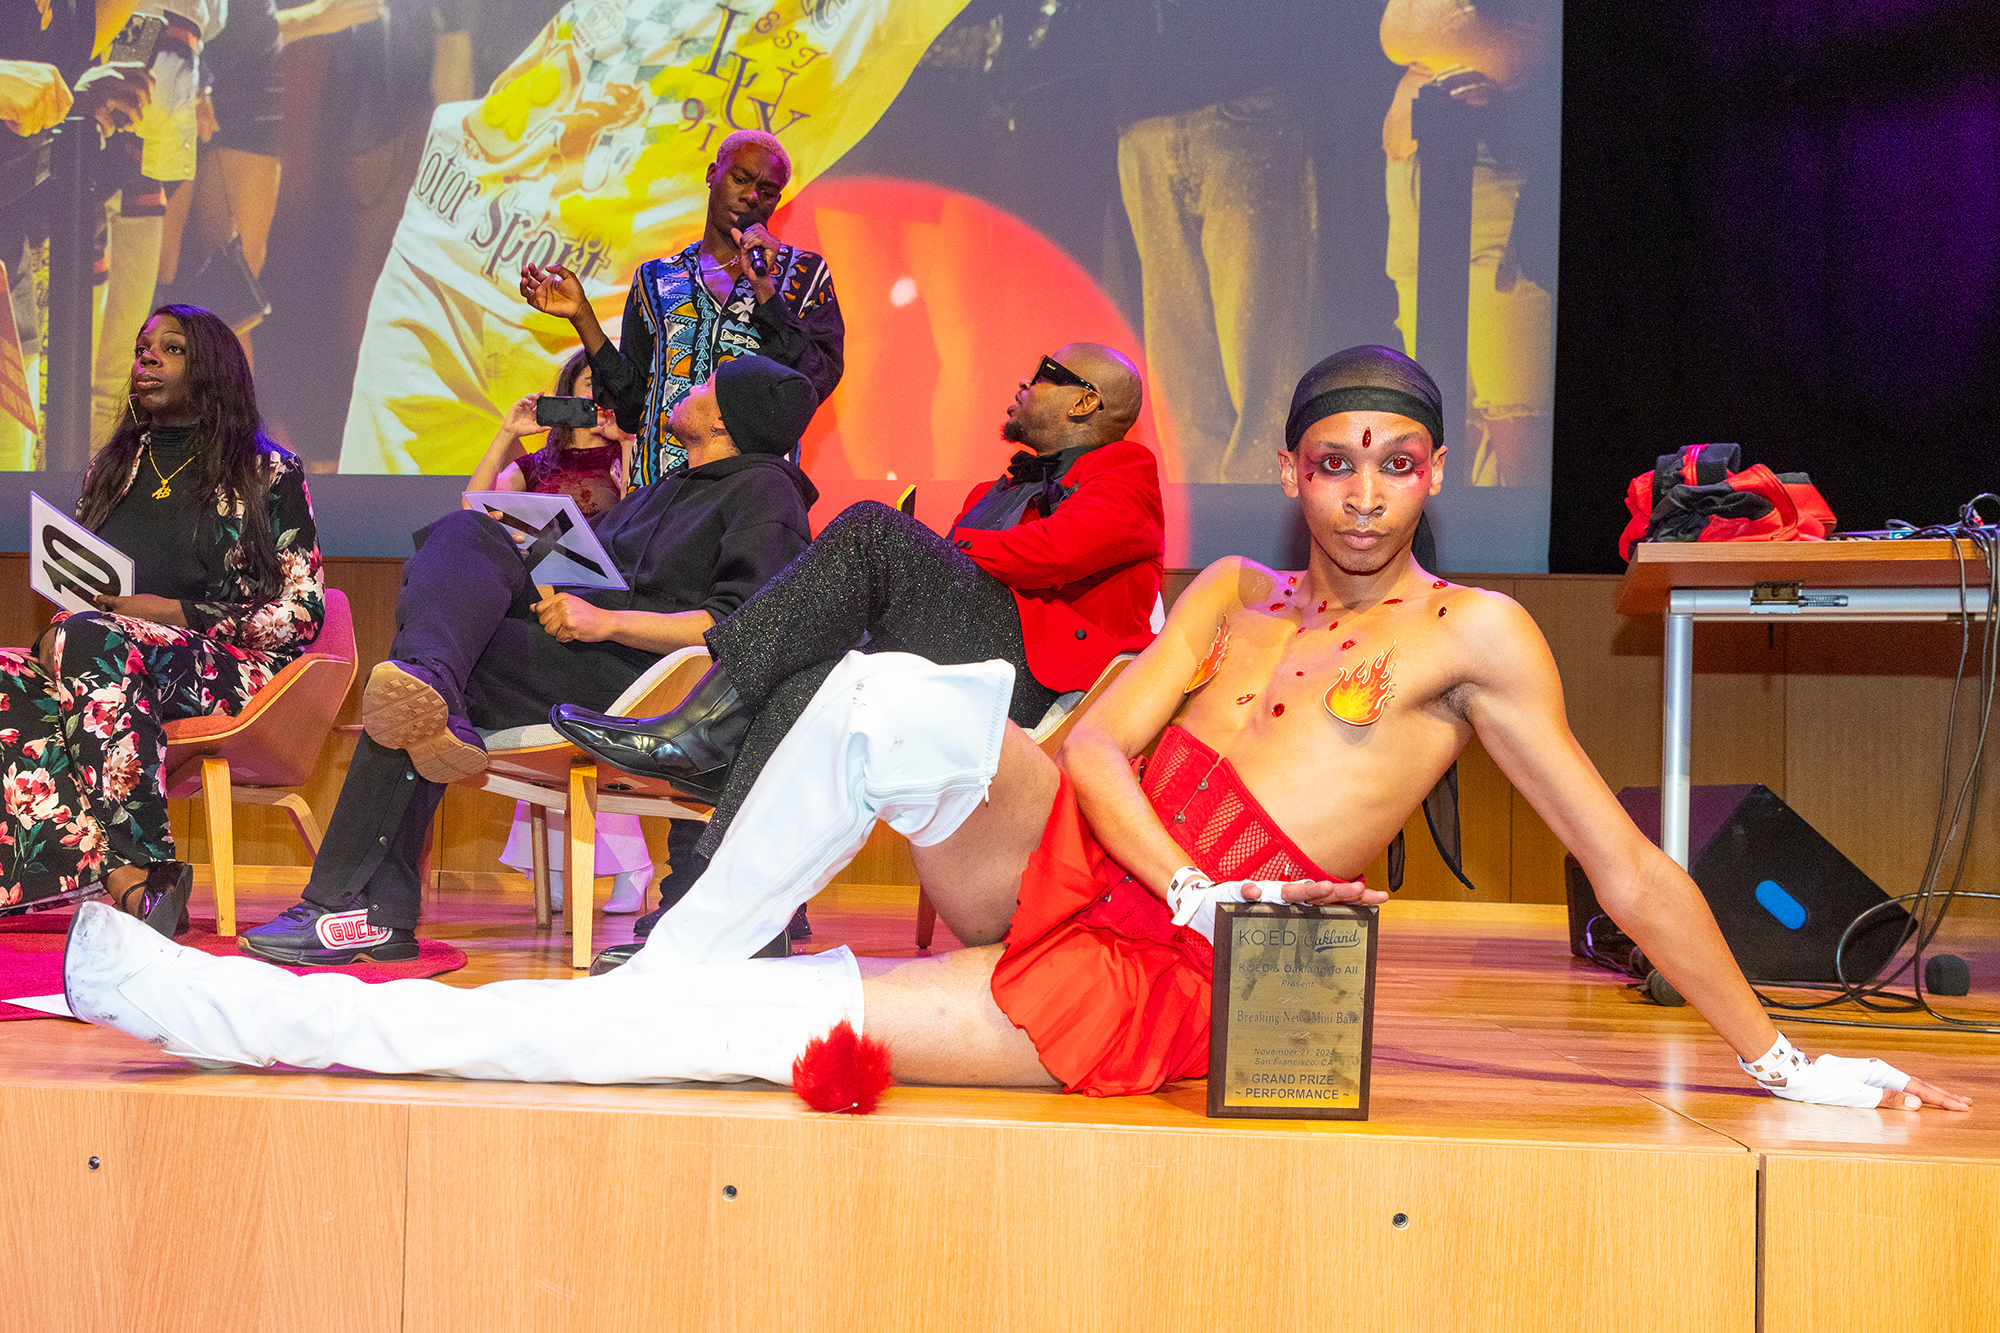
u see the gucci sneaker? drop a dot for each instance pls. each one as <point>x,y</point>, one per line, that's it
<point>309,934</point>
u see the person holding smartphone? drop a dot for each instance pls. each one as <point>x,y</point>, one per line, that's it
<point>587,456</point>
<point>479,648</point>
<point>586,459</point>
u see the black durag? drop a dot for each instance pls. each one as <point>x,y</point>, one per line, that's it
<point>1366,379</point>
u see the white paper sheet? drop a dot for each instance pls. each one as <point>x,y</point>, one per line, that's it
<point>68,563</point>
<point>48,1004</point>
<point>561,548</point>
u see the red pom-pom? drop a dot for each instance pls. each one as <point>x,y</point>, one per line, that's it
<point>842,1071</point>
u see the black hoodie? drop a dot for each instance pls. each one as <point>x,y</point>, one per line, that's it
<point>705,538</point>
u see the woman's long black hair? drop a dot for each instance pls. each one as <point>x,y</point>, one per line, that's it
<point>229,440</point>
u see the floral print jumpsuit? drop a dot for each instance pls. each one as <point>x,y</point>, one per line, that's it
<point>82,754</point>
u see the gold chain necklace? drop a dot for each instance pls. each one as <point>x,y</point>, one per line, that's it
<point>165,490</point>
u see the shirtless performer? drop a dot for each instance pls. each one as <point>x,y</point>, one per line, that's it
<point>1310,713</point>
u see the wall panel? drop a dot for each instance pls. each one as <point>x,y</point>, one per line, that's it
<point>1846,722</point>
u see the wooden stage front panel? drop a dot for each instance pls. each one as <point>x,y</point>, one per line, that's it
<point>1565,1155</point>
<point>998,1212</point>
<point>201,1212</point>
<point>1856,1242</point>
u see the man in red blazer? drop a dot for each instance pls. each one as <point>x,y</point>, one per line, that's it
<point>1055,567</point>
<point>1074,529</point>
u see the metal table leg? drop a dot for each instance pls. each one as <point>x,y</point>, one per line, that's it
<point>1675,744</point>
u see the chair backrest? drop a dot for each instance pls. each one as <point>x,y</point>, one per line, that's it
<point>336,632</point>
<point>670,680</point>
<point>1054,730</point>
<point>275,741</point>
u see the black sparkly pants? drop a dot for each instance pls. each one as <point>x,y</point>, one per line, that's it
<point>878,580</point>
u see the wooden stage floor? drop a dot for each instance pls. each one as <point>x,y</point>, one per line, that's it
<point>1563,1155</point>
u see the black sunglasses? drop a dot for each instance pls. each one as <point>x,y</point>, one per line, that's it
<point>1055,372</point>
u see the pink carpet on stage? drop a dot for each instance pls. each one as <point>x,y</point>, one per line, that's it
<point>31,950</point>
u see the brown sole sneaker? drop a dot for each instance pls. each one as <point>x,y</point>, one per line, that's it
<point>402,711</point>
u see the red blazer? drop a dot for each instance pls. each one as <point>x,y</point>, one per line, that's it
<point>1085,578</point>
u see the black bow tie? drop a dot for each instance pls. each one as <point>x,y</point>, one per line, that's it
<point>1032,469</point>
<point>1027,466</point>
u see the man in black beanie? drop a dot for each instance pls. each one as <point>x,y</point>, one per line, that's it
<point>478,649</point>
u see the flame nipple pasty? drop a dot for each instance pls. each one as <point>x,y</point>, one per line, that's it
<point>1205,671</point>
<point>1359,694</point>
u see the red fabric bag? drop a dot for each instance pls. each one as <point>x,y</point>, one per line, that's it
<point>1697,495</point>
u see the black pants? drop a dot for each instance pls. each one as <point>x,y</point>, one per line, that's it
<point>463,615</point>
<point>876,574</point>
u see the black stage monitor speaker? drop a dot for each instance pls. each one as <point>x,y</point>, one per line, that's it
<point>1781,893</point>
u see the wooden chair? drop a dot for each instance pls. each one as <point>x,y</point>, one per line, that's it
<point>536,765</point>
<point>265,753</point>
<point>1049,733</point>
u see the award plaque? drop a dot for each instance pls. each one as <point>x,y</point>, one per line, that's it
<point>1294,1011</point>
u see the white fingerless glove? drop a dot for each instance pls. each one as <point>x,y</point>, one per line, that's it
<point>1831,1080</point>
<point>1193,896</point>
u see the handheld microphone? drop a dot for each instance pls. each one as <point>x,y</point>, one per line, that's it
<point>745,221</point>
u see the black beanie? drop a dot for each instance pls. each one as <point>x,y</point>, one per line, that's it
<point>766,406</point>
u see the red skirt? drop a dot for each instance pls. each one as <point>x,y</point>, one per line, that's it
<point>1113,994</point>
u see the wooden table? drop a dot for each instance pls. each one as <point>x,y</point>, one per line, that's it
<point>1903,579</point>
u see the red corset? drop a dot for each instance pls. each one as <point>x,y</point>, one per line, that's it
<point>1212,815</point>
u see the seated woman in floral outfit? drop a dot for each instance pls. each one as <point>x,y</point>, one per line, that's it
<point>220,530</point>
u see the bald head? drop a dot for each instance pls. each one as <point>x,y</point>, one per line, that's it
<point>1117,381</point>
<point>1053,412</point>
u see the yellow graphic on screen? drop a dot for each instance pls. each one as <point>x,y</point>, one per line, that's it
<point>589,151</point>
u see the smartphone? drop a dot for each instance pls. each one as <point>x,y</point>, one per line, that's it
<point>553,411</point>
<point>136,40</point>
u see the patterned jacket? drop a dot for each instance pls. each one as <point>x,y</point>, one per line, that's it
<point>675,333</point>
<point>230,612</point>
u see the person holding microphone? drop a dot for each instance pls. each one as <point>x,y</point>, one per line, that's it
<point>736,291</point>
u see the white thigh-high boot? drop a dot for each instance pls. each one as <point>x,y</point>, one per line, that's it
<point>715,1023</point>
<point>889,736</point>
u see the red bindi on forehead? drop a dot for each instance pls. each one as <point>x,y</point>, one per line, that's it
<point>1367,438</point>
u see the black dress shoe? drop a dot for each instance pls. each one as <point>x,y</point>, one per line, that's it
<point>163,897</point>
<point>691,747</point>
<point>618,955</point>
<point>615,957</point>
